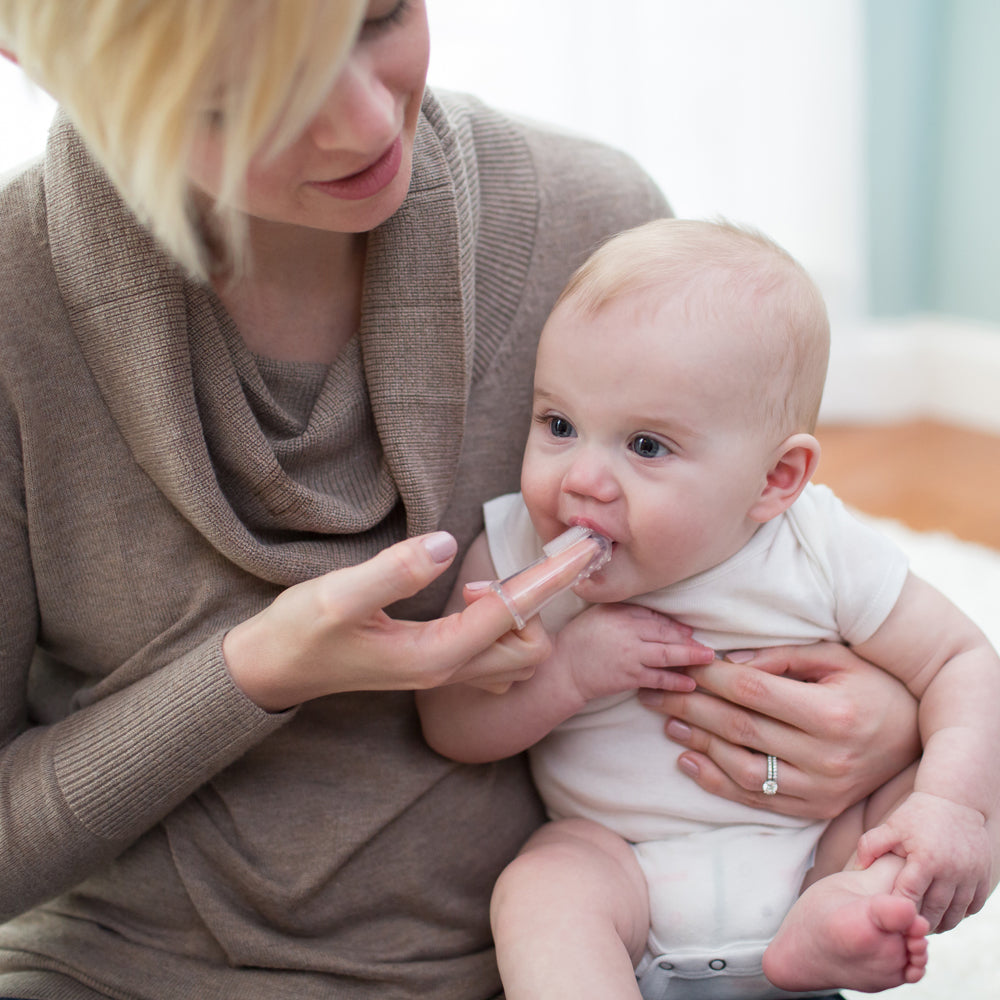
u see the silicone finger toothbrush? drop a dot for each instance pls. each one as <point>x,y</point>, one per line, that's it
<point>569,559</point>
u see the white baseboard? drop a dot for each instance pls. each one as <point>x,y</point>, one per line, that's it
<point>933,367</point>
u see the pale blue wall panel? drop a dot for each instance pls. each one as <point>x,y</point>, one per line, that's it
<point>966,246</point>
<point>933,138</point>
<point>903,56</point>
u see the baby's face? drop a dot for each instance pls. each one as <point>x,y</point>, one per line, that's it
<point>643,428</point>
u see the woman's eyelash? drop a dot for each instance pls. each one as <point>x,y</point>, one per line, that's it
<point>388,20</point>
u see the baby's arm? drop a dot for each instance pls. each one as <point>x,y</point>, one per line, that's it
<point>941,828</point>
<point>608,649</point>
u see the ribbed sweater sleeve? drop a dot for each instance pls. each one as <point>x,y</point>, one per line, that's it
<point>74,793</point>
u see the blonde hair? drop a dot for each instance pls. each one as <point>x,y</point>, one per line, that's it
<point>722,268</point>
<point>139,78</point>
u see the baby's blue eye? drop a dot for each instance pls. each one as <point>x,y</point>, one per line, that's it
<point>560,427</point>
<point>647,447</point>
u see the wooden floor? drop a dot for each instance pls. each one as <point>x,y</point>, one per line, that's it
<point>929,475</point>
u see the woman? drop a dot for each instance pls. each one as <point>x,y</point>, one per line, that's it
<point>264,307</point>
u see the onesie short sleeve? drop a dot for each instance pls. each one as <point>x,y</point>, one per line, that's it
<point>866,570</point>
<point>512,540</point>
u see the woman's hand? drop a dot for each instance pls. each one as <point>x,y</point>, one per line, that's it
<point>837,737</point>
<point>331,635</point>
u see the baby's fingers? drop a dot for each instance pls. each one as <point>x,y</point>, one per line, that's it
<point>656,627</point>
<point>666,680</point>
<point>913,881</point>
<point>675,654</point>
<point>945,905</point>
<point>876,842</point>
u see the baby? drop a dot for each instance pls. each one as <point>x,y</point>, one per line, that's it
<point>677,385</point>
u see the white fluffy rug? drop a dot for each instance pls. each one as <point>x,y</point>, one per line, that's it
<point>965,962</point>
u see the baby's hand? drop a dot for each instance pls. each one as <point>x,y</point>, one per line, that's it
<point>948,856</point>
<point>613,648</point>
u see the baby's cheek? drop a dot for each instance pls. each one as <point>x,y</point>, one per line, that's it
<point>542,508</point>
<point>656,566</point>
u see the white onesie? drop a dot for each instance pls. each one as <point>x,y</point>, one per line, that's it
<point>721,875</point>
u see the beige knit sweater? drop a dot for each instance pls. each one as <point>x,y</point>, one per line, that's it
<point>160,836</point>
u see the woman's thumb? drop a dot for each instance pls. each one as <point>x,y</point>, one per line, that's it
<point>401,570</point>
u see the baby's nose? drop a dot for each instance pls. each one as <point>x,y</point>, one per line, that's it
<point>592,475</point>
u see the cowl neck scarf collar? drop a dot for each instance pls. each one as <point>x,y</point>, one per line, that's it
<point>132,312</point>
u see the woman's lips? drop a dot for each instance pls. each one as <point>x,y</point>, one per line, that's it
<point>369,181</point>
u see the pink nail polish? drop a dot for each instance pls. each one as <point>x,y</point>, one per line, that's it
<point>440,546</point>
<point>688,766</point>
<point>679,731</point>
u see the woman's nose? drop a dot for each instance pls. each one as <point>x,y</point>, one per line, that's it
<point>590,475</point>
<point>359,113</point>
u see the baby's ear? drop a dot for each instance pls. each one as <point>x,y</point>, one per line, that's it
<point>793,465</point>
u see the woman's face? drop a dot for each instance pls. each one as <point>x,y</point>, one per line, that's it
<point>350,168</point>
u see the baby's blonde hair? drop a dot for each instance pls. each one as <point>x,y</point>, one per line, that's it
<point>139,77</point>
<point>735,271</point>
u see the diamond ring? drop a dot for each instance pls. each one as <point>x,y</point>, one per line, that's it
<point>770,786</point>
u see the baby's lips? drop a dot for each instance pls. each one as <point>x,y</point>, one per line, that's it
<point>570,558</point>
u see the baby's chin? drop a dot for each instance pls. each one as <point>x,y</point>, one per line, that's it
<point>598,589</point>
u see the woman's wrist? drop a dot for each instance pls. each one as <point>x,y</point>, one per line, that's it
<point>243,652</point>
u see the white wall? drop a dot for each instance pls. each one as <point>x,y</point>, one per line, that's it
<point>749,110</point>
<point>25,113</point>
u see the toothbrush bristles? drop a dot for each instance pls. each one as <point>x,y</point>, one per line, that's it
<point>569,537</point>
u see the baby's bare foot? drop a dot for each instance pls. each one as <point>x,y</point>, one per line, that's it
<point>834,938</point>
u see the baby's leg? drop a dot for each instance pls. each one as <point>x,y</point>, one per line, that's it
<point>847,930</point>
<point>570,915</point>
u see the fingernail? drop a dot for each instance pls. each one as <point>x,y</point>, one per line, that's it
<point>679,731</point>
<point>688,766</point>
<point>740,655</point>
<point>477,586</point>
<point>650,698</point>
<point>440,546</point>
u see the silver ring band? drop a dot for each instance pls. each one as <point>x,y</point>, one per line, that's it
<point>770,786</point>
